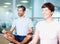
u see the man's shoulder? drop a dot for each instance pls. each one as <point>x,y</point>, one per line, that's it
<point>28,19</point>
<point>15,20</point>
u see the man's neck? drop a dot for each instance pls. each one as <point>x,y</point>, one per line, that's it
<point>22,16</point>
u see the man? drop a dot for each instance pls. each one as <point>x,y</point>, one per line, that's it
<point>24,28</point>
<point>47,31</point>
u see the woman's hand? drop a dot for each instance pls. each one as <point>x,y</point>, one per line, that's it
<point>31,42</point>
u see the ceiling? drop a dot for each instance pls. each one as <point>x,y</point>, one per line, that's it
<point>8,4</point>
<point>28,4</point>
<point>56,3</point>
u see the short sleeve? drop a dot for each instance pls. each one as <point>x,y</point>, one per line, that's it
<point>13,23</point>
<point>30,24</point>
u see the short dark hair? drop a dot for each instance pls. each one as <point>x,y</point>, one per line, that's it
<point>24,9</point>
<point>49,5</point>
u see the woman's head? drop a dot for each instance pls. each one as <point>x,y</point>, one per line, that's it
<point>47,9</point>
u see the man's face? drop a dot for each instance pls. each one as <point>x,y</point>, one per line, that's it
<point>46,13</point>
<point>20,12</point>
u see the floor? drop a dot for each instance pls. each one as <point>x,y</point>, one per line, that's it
<point>4,41</point>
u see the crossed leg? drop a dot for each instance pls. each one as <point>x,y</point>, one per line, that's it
<point>11,38</point>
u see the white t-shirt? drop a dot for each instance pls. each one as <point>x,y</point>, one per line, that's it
<point>22,25</point>
<point>48,32</point>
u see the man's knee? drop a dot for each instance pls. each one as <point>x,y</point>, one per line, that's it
<point>5,35</point>
<point>29,36</point>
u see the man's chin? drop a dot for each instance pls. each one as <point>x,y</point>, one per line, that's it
<point>20,15</point>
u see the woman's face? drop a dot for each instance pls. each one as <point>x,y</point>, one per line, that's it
<point>46,13</point>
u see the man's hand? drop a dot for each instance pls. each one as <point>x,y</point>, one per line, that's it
<point>29,32</point>
<point>4,31</point>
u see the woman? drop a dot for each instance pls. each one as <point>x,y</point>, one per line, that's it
<point>48,30</point>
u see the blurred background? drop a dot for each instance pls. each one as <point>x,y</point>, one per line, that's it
<point>8,12</point>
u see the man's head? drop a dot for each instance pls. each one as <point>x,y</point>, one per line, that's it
<point>21,10</point>
<point>47,9</point>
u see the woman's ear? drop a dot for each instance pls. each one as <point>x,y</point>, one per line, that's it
<point>51,13</point>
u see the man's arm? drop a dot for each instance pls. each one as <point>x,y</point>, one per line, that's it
<point>28,37</point>
<point>10,31</point>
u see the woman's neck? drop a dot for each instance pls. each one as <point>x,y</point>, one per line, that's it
<point>48,20</point>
